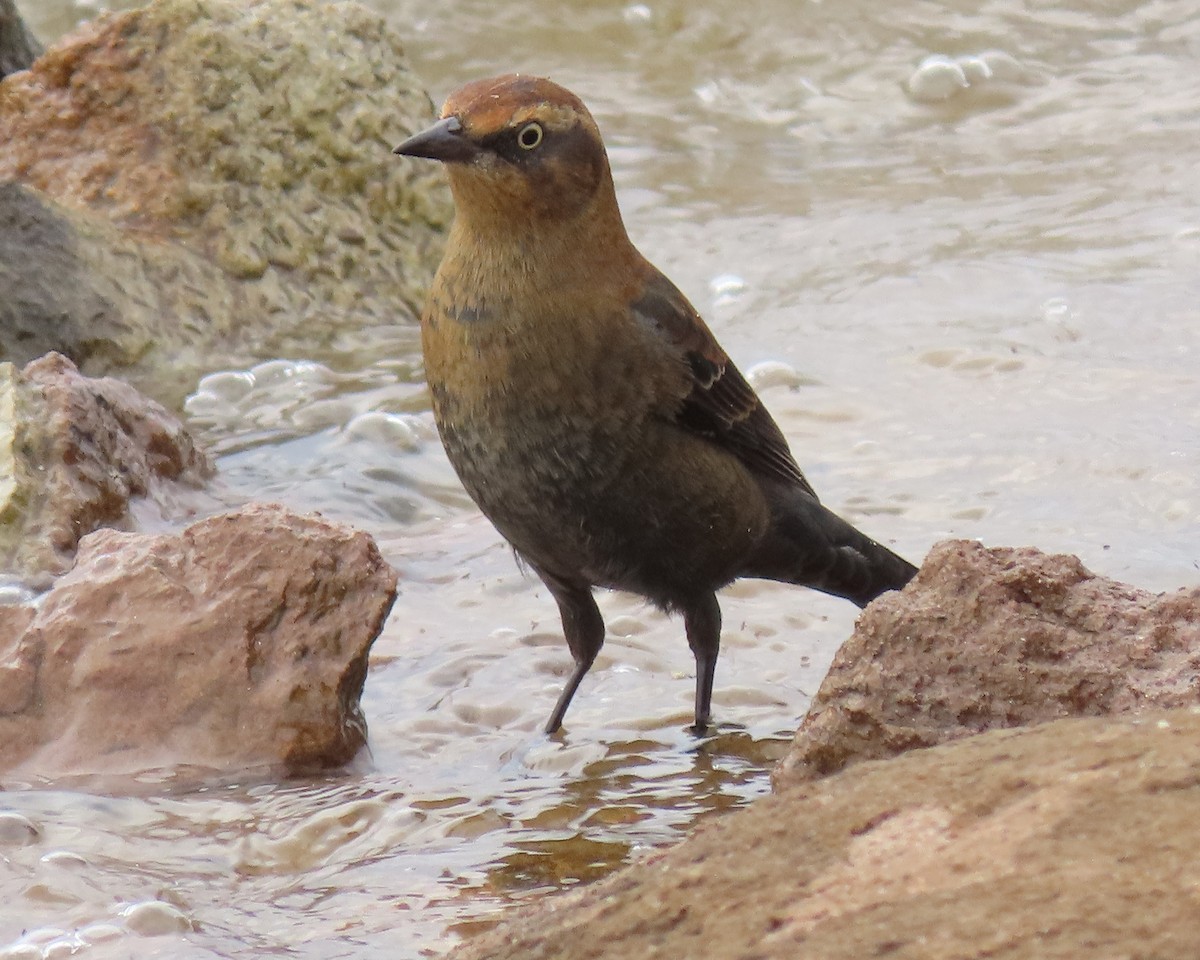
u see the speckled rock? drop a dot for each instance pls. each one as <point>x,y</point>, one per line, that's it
<point>203,183</point>
<point>77,454</point>
<point>1066,841</point>
<point>987,638</point>
<point>241,642</point>
<point>18,47</point>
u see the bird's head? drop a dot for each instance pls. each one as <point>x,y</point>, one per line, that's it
<point>518,150</point>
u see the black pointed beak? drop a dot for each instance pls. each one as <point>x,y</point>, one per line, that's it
<point>445,140</point>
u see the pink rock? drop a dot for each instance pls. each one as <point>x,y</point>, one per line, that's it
<point>986,638</point>
<point>1065,841</point>
<point>240,642</point>
<point>79,451</point>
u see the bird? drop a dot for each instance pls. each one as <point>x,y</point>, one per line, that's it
<point>585,405</point>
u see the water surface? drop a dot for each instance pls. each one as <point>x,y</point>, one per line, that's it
<point>968,287</point>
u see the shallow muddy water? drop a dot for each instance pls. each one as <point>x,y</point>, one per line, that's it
<point>969,290</point>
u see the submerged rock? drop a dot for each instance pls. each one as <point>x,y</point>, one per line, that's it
<point>987,638</point>
<point>18,47</point>
<point>201,183</point>
<point>1070,839</point>
<point>240,642</point>
<point>78,454</point>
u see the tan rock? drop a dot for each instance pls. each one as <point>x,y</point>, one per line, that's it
<point>1074,839</point>
<point>202,183</point>
<point>77,454</point>
<point>240,642</point>
<point>986,638</point>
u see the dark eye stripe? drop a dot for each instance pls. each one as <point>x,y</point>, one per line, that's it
<point>506,143</point>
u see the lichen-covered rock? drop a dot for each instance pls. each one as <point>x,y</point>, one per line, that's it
<point>241,642</point>
<point>78,454</point>
<point>1073,839</point>
<point>987,638</point>
<point>82,286</point>
<point>18,47</point>
<point>206,182</point>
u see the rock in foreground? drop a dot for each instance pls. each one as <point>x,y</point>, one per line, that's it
<point>1069,840</point>
<point>75,455</point>
<point>986,638</point>
<point>241,642</point>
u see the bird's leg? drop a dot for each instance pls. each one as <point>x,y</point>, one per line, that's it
<point>584,629</point>
<point>702,620</point>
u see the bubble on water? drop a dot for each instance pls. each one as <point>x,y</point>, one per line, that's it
<point>1004,66</point>
<point>17,830</point>
<point>708,93</point>
<point>637,13</point>
<point>62,948</point>
<point>205,407</point>
<point>230,385</point>
<point>153,918</point>
<point>726,288</point>
<point>1059,315</point>
<point>1056,310</point>
<point>288,397</point>
<point>774,373</point>
<point>66,859</point>
<point>938,77</point>
<point>283,371</point>
<point>975,69</point>
<point>400,431</point>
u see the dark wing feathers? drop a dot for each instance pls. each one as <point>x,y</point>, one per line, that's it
<point>721,405</point>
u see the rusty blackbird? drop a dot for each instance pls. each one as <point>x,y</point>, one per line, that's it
<point>586,406</point>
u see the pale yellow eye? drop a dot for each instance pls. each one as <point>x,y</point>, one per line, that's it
<point>530,137</point>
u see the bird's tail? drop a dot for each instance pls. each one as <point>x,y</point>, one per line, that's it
<point>811,545</point>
